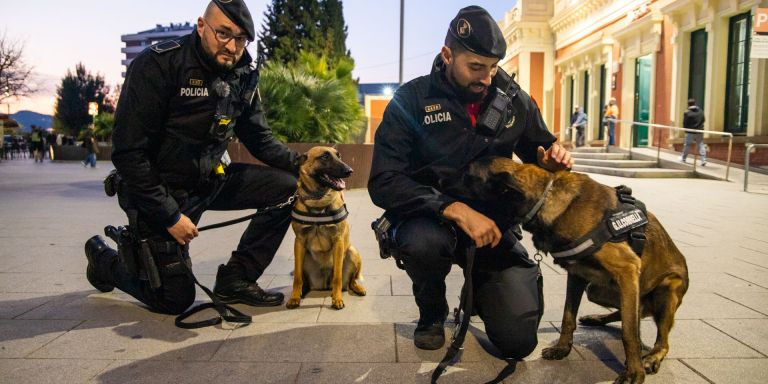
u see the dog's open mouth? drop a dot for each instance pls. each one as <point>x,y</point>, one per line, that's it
<point>332,182</point>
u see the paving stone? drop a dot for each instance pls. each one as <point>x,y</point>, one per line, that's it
<point>18,338</point>
<point>752,332</point>
<point>742,371</point>
<point>332,373</point>
<point>92,305</point>
<point>58,282</point>
<point>284,342</point>
<point>35,371</point>
<point>577,372</point>
<point>757,301</point>
<point>712,306</point>
<point>15,304</point>
<point>12,282</point>
<point>688,339</point>
<point>722,283</point>
<point>370,309</point>
<point>134,340</point>
<point>554,304</point>
<point>150,372</point>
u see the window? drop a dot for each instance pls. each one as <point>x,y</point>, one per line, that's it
<point>737,82</point>
<point>698,67</point>
<point>585,107</point>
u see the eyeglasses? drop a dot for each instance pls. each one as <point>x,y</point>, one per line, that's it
<point>224,36</point>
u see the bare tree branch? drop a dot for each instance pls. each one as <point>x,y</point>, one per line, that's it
<point>15,74</point>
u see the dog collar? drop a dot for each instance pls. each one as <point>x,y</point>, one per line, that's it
<point>310,218</point>
<point>539,203</point>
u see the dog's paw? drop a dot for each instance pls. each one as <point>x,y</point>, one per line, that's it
<point>651,363</point>
<point>357,289</point>
<point>337,304</point>
<point>592,320</point>
<point>293,303</point>
<point>555,353</point>
<point>630,378</point>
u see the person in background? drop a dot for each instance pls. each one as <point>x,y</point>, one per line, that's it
<point>693,118</point>
<point>578,123</point>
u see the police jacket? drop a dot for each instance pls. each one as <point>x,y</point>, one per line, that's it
<point>426,135</point>
<point>163,140</point>
<point>693,118</point>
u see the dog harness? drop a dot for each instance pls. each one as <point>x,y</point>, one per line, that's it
<point>626,223</point>
<point>310,218</point>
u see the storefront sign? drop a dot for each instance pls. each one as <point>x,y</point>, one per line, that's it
<point>759,49</point>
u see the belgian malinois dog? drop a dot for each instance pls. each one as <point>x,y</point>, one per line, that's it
<point>650,284</point>
<point>324,257</point>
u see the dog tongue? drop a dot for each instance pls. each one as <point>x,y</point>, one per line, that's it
<point>340,183</point>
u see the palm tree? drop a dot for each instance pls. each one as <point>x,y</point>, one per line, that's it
<point>307,102</point>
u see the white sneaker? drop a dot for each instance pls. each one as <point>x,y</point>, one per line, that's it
<point>682,159</point>
<point>703,163</point>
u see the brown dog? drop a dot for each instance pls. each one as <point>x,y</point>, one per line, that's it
<point>652,284</point>
<point>324,257</point>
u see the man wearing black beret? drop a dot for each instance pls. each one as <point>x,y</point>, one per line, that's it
<point>182,102</point>
<point>435,125</point>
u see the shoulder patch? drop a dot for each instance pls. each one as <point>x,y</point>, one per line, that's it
<point>165,46</point>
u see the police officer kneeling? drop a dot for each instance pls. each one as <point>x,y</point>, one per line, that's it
<point>182,102</point>
<point>435,125</point>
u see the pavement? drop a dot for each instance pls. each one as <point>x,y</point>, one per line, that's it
<point>54,327</point>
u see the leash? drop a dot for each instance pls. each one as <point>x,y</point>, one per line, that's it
<point>455,350</point>
<point>259,211</point>
<point>226,312</point>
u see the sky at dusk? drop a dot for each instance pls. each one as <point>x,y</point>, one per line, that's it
<point>58,34</point>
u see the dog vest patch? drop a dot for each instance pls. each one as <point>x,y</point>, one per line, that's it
<point>625,221</point>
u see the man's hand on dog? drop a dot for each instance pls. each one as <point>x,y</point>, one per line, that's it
<point>183,231</point>
<point>554,159</point>
<point>482,230</point>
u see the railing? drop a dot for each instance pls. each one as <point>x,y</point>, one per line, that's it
<point>749,149</point>
<point>632,125</point>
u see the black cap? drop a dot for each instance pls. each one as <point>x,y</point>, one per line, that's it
<point>475,29</point>
<point>237,11</point>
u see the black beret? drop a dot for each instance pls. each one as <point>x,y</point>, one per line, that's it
<point>237,11</point>
<point>475,29</point>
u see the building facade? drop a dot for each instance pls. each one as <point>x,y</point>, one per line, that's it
<point>651,56</point>
<point>137,42</point>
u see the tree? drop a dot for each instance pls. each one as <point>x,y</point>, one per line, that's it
<point>307,102</point>
<point>102,126</point>
<point>14,72</point>
<point>73,95</point>
<point>312,26</point>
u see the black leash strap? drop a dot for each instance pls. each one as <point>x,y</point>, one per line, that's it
<point>226,312</point>
<point>453,355</point>
<point>259,211</point>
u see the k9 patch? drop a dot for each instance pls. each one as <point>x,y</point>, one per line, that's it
<point>625,221</point>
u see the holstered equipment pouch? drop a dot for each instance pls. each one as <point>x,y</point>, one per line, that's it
<point>385,236</point>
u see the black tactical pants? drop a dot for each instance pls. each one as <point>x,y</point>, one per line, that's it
<point>506,293</point>
<point>245,186</point>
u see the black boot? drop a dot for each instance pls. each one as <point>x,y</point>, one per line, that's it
<point>231,287</point>
<point>429,335</point>
<point>100,259</point>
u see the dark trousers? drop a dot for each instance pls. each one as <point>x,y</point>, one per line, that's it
<point>506,293</point>
<point>245,186</point>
